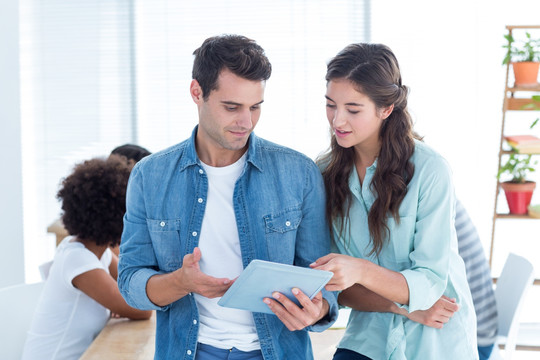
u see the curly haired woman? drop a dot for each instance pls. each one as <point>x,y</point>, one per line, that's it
<point>81,291</point>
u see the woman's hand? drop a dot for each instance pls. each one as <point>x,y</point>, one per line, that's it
<point>437,315</point>
<point>347,270</point>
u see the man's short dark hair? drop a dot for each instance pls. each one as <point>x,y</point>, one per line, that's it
<point>94,199</point>
<point>242,56</point>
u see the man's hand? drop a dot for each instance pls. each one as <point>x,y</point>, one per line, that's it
<point>437,315</point>
<point>194,280</point>
<point>164,289</point>
<point>294,317</point>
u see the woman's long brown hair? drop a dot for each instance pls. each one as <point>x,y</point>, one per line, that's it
<point>374,71</point>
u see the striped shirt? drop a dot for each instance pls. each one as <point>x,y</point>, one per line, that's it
<point>478,277</point>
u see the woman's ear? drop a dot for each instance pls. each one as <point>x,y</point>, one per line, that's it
<point>387,111</point>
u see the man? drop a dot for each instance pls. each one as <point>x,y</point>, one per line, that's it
<point>200,211</point>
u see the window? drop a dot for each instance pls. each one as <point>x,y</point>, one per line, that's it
<point>96,74</point>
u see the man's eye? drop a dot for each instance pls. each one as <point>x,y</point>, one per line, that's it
<point>230,108</point>
<point>253,108</point>
<point>330,106</point>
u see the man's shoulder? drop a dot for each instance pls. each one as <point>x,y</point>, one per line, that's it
<point>281,152</point>
<point>164,157</point>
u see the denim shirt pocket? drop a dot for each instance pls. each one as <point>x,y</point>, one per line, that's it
<point>165,235</point>
<point>280,232</point>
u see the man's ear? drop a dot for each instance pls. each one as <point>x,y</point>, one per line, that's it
<point>196,92</point>
<point>387,111</point>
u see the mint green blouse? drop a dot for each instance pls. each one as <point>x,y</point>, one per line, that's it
<point>423,247</point>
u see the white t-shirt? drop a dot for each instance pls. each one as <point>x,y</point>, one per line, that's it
<point>219,326</point>
<point>66,320</point>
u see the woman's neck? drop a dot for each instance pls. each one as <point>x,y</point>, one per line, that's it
<point>364,157</point>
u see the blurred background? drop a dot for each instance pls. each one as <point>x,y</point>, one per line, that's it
<point>78,78</point>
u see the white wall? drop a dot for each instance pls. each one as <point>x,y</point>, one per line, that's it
<point>11,234</point>
<point>450,54</point>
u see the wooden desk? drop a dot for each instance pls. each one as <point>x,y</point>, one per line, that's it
<point>123,339</point>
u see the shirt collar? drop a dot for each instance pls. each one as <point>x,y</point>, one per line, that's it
<point>253,153</point>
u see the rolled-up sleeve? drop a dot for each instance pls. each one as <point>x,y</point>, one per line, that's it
<point>434,233</point>
<point>137,258</point>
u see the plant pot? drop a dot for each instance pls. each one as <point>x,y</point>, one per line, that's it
<point>526,73</point>
<point>518,196</point>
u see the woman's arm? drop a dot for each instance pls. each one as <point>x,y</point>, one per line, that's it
<point>359,298</point>
<point>101,287</point>
<point>349,270</point>
<point>113,267</point>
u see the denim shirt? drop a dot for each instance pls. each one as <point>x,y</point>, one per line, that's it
<point>279,204</point>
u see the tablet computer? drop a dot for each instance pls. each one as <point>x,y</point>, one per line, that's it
<point>261,278</point>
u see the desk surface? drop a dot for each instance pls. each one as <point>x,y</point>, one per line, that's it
<point>123,339</point>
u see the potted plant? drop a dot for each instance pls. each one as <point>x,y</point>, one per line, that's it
<point>525,58</point>
<point>518,190</point>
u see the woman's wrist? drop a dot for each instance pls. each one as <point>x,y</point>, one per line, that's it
<point>361,269</point>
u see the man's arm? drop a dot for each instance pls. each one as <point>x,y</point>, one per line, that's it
<point>164,289</point>
<point>360,298</point>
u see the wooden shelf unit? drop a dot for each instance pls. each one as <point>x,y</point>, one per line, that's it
<point>512,103</point>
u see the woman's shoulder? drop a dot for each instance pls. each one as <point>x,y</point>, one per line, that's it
<point>75,257</point>
<point>425,156</point>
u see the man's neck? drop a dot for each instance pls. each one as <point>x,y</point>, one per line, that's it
<point>221,159</point>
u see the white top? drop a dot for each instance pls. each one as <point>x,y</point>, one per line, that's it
<point>66,320</point>
<point>221,257</point>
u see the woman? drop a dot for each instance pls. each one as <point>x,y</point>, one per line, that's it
<point>390,202</point>
<point>81,291</point>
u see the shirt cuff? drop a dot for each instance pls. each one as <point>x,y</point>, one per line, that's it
<point>421,297</point>
<point>138,293</point>
<point>331,317</point>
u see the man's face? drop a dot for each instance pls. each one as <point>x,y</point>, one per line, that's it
<point>228,115</point>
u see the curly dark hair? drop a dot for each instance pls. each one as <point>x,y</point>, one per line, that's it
<point>241,55</point>
<point>94,199</point>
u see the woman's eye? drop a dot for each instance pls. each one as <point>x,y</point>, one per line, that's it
<point>330,106</point>
<point>354,111</point>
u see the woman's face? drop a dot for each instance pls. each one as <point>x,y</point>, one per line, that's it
<point>353,117</point>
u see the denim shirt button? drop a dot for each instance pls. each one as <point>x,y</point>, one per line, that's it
<point>188,352</point>
<point>194,233</point>
<point>200,200</point>
<point>287,223</point>
<point>201,171</point>
<point>162,224</point>
<point>194,322</point>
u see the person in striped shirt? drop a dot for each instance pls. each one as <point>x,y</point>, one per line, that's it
<point>479,279</point>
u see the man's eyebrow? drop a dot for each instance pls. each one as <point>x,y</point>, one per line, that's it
<point>226,102</point>
<point>349,103</point>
